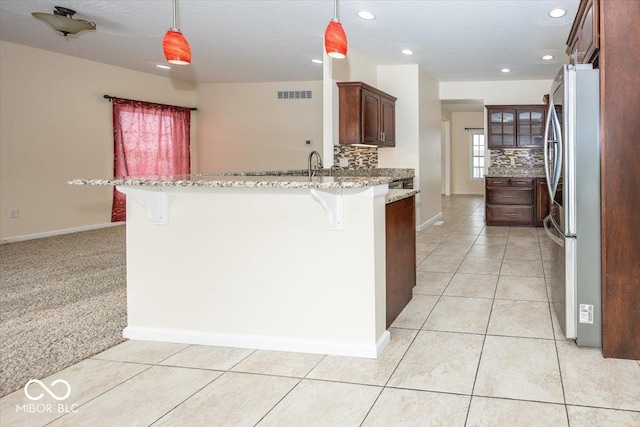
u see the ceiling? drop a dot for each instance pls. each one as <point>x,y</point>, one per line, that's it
<point>265,40</point>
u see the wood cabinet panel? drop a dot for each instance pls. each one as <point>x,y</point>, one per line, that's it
<point>366,115</point>
<point>620,109</point>
<point>516,214</point>
<point>509,196</point>
<point>401,255</point>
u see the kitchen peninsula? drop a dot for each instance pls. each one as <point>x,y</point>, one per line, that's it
<point>274,261</point>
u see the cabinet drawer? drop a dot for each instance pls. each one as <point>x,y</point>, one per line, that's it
<point>521,182</point>
<point>509,196</point>
<point>497,182</point>
<point>511,214</point>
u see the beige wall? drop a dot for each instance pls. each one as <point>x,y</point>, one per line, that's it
<point>461,182</point>
<point>446,122</point>
<point>496,93</point>
<point>244,127</point>
<point>417,133</point>
<point>55,125</point>
<point>430,146</point>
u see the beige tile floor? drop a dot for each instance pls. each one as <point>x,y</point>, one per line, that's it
<point>477,346</point>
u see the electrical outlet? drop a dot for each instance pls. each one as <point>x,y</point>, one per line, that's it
<point>13,213</point>
<point>308,142</point>
<point>344,162</point>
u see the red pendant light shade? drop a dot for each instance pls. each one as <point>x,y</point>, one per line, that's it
<point>176,47</point>
<point>335,40</point>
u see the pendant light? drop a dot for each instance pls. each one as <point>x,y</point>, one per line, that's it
<point>175,45</point>
<point>335,40</point>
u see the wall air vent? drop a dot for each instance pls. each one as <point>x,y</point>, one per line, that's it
<point>294,94</point>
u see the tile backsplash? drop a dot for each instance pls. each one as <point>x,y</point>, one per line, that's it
<point>356,157</point>
<point>518,157</point>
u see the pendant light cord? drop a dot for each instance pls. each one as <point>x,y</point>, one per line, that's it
<point>335,11</point>
<point>175,11</point>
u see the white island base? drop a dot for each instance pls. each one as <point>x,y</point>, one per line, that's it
<point>262,268</point>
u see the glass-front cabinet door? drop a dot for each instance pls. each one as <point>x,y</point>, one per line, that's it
<point>502,129</point>
<point>516,126</point>
<point>530,128</point>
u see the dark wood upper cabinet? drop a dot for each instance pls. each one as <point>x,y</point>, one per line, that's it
<point>515,126</point>
<point>367,115</point>
<point>584,37</point>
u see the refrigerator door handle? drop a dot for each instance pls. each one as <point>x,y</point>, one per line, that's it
<point>548,174</point>
<point>549,233</point>
<point>558,152</point>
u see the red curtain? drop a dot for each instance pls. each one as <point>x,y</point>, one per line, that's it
<point>150,140</point>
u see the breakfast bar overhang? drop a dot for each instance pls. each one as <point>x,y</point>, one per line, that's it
<point>274,263</point>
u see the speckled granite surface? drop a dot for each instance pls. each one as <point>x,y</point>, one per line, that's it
<point>395,194</point>
<point>396,173</point>
<point>516,171</point>
<point>271,179</point>
<point>237,181</point>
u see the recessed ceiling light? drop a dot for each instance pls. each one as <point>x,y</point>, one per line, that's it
<point>547,57</point>
<point>407,51</point>
<point>164,67</point>
<point>366,15</point>
<point>316,61</point>
<point>506,70</point>
<point>557,13</point>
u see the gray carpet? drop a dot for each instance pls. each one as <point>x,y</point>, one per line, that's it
<point>62,299</point>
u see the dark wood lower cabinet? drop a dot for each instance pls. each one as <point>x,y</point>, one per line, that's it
<point>401,255</point>
<point>510,201</point>
<point>543,202</point>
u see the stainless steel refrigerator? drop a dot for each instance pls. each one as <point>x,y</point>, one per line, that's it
<point>572,166</point>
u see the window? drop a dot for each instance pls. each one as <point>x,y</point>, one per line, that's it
<point>149,140</point>
<point>477,154</point>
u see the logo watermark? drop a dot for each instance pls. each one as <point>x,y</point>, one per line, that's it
<point>39,408</point>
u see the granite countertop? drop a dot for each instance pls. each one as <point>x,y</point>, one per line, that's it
<point>395,173</point>
<point>238,181</point>
<point>395,195</point>
<point>516,171</point>
<point>342,178</point>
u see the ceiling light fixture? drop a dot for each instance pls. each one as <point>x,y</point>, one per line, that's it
<point>506,70</point>
<point>547,57</point>
<point>557,13</point>
<point>407,51</point>
<point>335,40</point>
<point>317,61</point>
<point>366,15</point>
<point>61,20</point>
<point>164,67</point>
<point>174,45</point>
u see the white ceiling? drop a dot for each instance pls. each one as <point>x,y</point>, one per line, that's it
<point>265,40</point>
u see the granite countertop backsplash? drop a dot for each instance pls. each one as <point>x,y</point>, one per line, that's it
<point>516,171</point>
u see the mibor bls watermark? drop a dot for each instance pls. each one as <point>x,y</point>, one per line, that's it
<point>35,391</point>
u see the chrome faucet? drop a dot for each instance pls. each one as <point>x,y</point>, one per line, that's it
<point>313,171</point>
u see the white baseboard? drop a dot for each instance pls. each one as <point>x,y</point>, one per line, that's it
<point>60,232</point>
<point>429,222</point>
<point>259,342</point>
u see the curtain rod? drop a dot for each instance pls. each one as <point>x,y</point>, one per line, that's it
<point>109,97</point>
<point>473,128</point>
